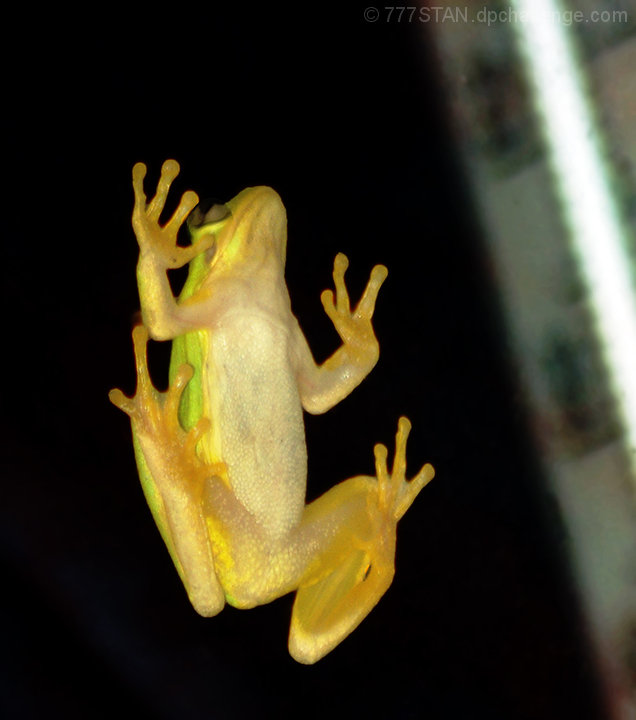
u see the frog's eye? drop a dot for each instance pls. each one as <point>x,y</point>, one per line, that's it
<point>209,210</point>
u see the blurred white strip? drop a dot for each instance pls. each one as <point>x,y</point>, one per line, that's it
<point>586,199</point>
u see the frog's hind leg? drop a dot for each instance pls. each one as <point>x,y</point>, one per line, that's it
<point>332,602</point>
<point>173,476</point>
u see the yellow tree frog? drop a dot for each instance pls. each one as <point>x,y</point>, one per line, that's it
<point>221,454</point>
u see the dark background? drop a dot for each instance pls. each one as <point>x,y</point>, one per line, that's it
<point>346,119</point>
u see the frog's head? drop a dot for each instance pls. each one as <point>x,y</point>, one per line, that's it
<point>248,230</point>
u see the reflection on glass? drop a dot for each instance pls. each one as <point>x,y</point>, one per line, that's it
<point>544,101</point>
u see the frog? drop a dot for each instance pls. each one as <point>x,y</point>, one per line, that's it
<point>221,454</point>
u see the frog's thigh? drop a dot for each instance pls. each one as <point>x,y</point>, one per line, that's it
<point>352,580</point>
<point>181,523</point>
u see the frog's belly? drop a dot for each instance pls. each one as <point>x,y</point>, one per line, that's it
<point>257,421</point>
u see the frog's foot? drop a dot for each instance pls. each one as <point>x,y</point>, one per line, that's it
<point>393,497</point>
<point>355,327</point>
<point>395,493</point>
<point>327,610</point>
<point>161,241</point>
<point>152,412</point>
<point>155,417</point>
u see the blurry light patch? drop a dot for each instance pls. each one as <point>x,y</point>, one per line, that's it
<point>597,235</point>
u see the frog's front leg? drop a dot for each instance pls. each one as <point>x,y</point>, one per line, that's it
<point>173,477</point>
<point>159,252</point>
<point>338,593</point>
<point>323,386</point>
